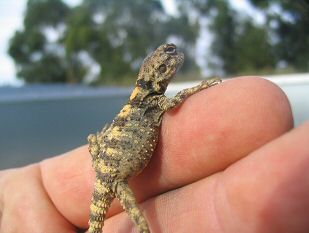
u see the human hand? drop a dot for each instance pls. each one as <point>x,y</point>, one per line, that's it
<point>221,166</point>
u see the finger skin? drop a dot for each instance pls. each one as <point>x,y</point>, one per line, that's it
<point>208,132</point>
<point>265,192</point>
<point>218,126</point>
<point>272,186</point>
<point>25,206</point>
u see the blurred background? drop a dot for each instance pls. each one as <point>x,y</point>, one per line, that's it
<point>67,66</point>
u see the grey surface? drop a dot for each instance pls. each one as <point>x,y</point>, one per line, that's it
<point>298,95</point>
<point>42,121</point>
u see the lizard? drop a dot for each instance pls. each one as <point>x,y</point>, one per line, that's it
<point>123,148</point>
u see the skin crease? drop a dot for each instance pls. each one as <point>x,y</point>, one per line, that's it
<point>227,161</point>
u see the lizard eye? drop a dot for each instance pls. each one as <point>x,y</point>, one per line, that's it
<point>162,68</point>
<point>170,49</point>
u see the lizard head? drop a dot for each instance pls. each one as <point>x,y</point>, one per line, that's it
<point>159,68</point>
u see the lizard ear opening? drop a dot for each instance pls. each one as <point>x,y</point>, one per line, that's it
<point>144,84</point>
<point>162,68</point>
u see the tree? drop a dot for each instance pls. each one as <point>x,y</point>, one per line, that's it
<point>114,35</point>
<point>122,32</point>
<point>289,24</point>
<point>37,59</point>
<point>238,44</point>
<point>223,26</point>
<point>254,52</point>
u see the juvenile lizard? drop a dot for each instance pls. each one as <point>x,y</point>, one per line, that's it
<point>124,148</point>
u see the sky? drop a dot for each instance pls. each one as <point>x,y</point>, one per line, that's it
<point>11,17</point>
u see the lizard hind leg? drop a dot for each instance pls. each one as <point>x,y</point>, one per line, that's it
<point>95,141</point>
<point>127,199</point>
<point>100,202</point>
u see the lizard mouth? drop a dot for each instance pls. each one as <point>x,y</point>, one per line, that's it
<point>179,59</point>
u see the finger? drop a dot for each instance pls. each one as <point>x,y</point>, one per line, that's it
<point>265,192</point>
<point>69,182</point>
<point>25,206</point>
<point>209,131</point>
<point>215,128</point>
<point>271,186</point>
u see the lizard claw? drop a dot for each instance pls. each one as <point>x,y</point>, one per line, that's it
<point>210,82</point>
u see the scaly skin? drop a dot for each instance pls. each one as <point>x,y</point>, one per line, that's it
<point>124,148</point>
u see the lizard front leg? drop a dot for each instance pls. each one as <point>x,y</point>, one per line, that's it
<point>169,103</point>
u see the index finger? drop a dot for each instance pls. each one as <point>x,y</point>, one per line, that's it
<point>209,131</point>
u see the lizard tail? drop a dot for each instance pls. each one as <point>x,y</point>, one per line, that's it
<point>100,202</point>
